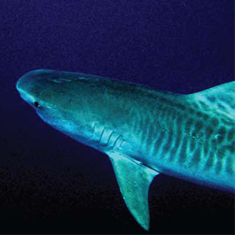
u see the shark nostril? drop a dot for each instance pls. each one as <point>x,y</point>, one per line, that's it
<point>36,104</point>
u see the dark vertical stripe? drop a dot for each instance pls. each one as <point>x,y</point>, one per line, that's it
<point>178,138</point>
<point>183,150</point>
<point>229,165</point>
<point>166,147</point>
<point>231,134</point>
<point>158,143</point>
<point>206,150</point>
<point>196,159</point>
<point>218,166</point>
<point>192,145</point>
<point>210,161</point>
<point>174,137</point>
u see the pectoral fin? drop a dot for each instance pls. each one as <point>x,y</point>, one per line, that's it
<point>134,180</point>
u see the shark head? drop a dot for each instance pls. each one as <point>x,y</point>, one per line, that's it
<point>69,102</point>
<point>95,111</point>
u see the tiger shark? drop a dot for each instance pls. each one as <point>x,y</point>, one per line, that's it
<point>145,132</point>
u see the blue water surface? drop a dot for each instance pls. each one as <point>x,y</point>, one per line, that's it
<point>51,184</point>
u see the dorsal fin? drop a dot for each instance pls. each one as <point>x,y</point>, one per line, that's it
<point>219,99</point>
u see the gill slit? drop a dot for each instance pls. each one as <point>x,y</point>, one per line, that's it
<point>101,136</point>
<point>117,140</point>
<point>93,131</point>
<point>110,137</point>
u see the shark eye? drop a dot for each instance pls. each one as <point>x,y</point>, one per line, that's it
<point>36,104</point>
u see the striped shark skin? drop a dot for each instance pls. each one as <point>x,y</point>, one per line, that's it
<point>144,132</point>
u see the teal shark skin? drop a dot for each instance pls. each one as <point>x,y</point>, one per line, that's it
<point>187,136</point>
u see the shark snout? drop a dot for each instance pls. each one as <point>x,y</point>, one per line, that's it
<point>26,84</point>
<point>33,84</point>
<point>32,77</point>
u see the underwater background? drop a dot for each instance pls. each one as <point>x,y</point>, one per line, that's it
<point>50,183</point>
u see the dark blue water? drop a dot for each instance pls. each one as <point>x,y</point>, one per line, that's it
<point>50,183</point>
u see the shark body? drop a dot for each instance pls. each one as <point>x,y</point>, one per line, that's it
<point>143,131</point>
